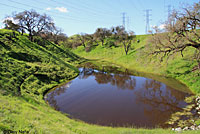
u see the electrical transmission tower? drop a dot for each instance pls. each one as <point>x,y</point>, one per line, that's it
<point>147,16</point>
<point>124,19</point>
<point>169,10</point>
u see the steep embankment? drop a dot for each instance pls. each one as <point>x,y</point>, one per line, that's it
<point>30,68</point>
<point>27,71</point>
<point>176,66</point>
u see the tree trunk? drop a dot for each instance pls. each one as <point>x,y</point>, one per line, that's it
<point>102,42</point>
<point>125,48</point>
<point>126,52</point>
<point>83,45</point>
<point>56,42</point>
<point>22,32</point>
<point>31,37</point>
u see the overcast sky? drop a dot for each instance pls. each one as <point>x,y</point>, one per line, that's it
<point>84,16</point>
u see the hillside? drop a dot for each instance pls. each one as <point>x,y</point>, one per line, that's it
<point>176,66</point>
<point>29,69</point>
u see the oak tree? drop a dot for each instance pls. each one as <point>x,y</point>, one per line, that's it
<point>101,34</point>
<point>31,22</point>
<point>181,31</point>
<point>127,39</point>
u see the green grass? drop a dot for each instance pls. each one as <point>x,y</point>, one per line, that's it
<point>176,66</point>
<point>19,114</point>
<point>28,70</point>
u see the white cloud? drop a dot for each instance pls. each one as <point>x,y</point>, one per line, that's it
<point>152,26</point>
<point>2,26</point>
<point>162,26</point>
<point>10,18</point>
<point>7,18</point>
<point>62,9</point>
<point>48,9</point>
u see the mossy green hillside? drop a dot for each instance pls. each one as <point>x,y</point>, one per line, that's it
<point>29,68</point>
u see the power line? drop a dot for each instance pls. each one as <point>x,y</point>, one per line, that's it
<point>38,8</point>
<point>74,10</point>
<point>86,5</point>
<point>12,6</point>
<point>80,9</point>
<point>110,5</point>
<point>120,3</point>
<point>24,4</point>
<point>140,3</point>
<point>134,6</point>
<point>58,15</point>
<point>24,9</point>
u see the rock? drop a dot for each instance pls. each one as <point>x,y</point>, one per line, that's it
<point>192,127</point>
<point>197,108</point>
<point>198,127</point>
<point>197,99</point>
<point>173,129</point>
<point>186,128</point>
<point>178,129</point>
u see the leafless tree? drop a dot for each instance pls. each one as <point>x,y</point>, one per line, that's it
<point>10,25</point>
<point>117,31</point>
<point>126,38</point>
<point>181,31</point>
<point>84,37</point>
<point>101,34</point>
<point>32,22</point>
<point>58,35</point>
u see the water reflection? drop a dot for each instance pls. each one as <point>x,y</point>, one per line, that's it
<point>122,81</point>
<point>117,99</point>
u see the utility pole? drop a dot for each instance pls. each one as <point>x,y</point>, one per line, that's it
<point>169,10</point>
<point>147,16</point>
<point>124,19</point>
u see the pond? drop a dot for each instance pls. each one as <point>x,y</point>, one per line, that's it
<point>119,99</point>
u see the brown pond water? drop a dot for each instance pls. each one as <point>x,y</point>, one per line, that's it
<point>118,99</point>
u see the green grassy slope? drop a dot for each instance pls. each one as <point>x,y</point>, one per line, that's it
<point>137,59</point>
<point>28,68</point>
<point>18,114</point>
<point>27,71</point>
